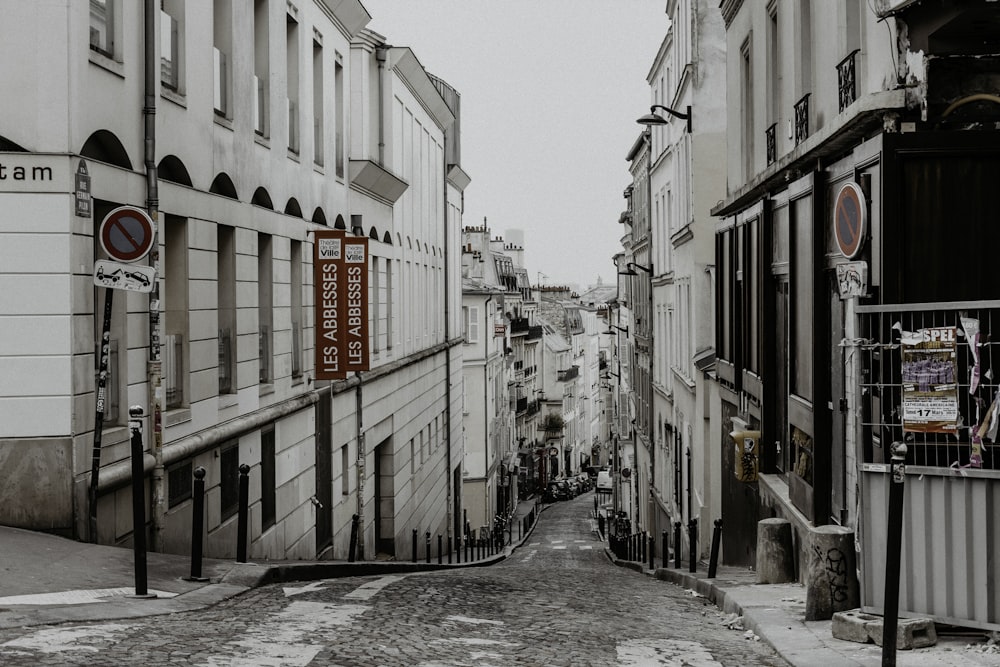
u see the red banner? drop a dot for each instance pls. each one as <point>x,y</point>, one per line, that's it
<point>354,303</point>
<point>328,280</point>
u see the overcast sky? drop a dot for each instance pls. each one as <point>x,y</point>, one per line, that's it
<point>550,93</point>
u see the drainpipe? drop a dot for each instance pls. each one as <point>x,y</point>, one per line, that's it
<point>486,418</point>
<point>362,457</point>
<point>380,56</point>
<point>451,491</point>
<point>154,367</point>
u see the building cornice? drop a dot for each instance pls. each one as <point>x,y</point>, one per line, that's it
<point>403,61</point>
<point>729,9</point>
<point>350,16</point>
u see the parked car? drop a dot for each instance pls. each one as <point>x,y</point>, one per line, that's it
<point>574,486</point>
<point>604,481</point>
<point>556,490</point>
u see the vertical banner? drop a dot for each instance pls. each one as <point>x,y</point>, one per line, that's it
<point>930,392</point>
<point>328,281</point>
<point>354,304</point>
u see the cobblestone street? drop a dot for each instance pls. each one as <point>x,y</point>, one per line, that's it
<point>557,601</point>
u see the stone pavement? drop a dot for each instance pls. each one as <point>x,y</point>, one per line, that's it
<point>49,580</point>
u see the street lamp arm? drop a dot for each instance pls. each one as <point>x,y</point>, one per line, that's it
<point>672,112</point>
<point>633,265</point>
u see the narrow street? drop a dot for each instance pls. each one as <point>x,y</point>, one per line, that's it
<point>557,601</point>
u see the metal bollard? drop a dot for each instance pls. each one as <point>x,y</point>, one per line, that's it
<point>713,559</point>
<point>439,550</point>
<point>894,545</point>
<point>652,548</point>
<point>641,539</point>
<point>414,545</point>
<point>138,502</point>
<point>352,549</point>
<point>458,549</point>
<point>197,524</point>
<point>693,545</point>
<point>243,519</point>
<point>666,547</point>
<point>677,544</point>
<point>427,547</point>
<point>467,547</point>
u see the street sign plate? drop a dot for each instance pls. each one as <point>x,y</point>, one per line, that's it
<point>115,275</point>
<point>126,234</point>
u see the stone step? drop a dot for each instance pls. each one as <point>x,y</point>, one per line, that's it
<point>856,626</point>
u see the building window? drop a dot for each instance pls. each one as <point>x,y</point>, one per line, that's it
<point>175,281</point>
<point>102,27</point>
<point>471,324</point>
<point>226,294</point>
<point>267,488</point>
<point>229,480</point>
<point>265,304</point>
<point>338,91</point>
<point>317,58</point>
<point>179,483</point>
<point>746,66</point>
<point>171,44</point>
<point>345,481</point>
<point>261,65</point>
<point>296,307</point>
<point>222,35</point>
<point>292,80</point>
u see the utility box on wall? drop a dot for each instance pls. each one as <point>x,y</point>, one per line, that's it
<point>747,458</point>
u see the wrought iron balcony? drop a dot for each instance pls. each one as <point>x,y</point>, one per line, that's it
<point>570,373</point>
<point>802,119</point>
<point>772,144</point>
<point>845,80</point>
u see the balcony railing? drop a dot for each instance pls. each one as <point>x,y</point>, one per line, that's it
<point>225,361</point>
<point>847,91</point>
<point>264,352</point>
<point>772,143</point>
<point>802,119</point>
<point>260,106</point>
<point>173,370</point>
<point>536,332</point>
<point>570,373</point>
<point>519,326</point>
<point>296,349</point>
<point>522,405</point>
<point>293,126</point>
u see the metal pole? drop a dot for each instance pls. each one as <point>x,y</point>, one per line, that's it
<point>352,549</point>
<point>894,542</point>
<point>197,524</point>
<point>427,547</point>
<point>414,545</point>
<point>102,383</point>
<point>439,549</point>
<point>244,514</point>
<point>138,502</point>
<point>677,544</point>
<point>693,545</point>
<point>713,559</point>
<point>666,547</point>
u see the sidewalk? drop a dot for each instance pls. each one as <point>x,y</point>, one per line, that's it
<point>48,579</point>
<point>775,613</point>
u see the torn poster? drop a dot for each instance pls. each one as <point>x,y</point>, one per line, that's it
<point>971,327</point>
<point>930,392</point>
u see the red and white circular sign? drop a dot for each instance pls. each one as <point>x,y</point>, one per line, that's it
<point>126,234</point>
<point>849,218</point>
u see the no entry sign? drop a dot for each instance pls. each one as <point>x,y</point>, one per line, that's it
<point>849,212</point>
<point>126,234</point>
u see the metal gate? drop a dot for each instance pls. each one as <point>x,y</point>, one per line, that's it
<point>952,486</point>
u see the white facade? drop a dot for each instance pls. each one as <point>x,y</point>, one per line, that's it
<point>271,122</point>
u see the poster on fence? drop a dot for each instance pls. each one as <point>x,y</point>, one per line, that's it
<point>930,390</point>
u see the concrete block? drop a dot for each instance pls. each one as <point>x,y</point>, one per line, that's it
<point>857,626</point>
<point>775,556</point>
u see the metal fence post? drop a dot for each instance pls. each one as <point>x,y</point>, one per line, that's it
<point>197,524</point>
<point>652,548</point>
<point>894,545</point>
<point>352,549</point>
<point>138,502</point>
<point>666,547</point>
<point>693,546</point>
<point>427,546</point>
<point>243,518</point>
<point>677,544</point>
<point>414,545</point>
<point>713,559</point>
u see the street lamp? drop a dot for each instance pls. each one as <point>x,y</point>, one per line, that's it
<point>653,119</point>
<point>615,326</point>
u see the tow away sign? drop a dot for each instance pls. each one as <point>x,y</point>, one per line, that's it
<point>130,277</point>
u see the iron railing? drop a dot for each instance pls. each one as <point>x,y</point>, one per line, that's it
<point>802,119</point>
<point>847,91</point>
<point>771,142</point>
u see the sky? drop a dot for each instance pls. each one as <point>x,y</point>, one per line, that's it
<point>550,91</point>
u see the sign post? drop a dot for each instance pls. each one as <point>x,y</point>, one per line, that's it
<point>126,235</point>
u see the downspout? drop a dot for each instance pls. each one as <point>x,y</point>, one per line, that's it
<point>153,368</point>
<point>362,457</point>
<point>486,417</point>
<point>450,490</point>
<point>380,57</point>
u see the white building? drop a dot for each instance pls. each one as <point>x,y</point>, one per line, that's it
<point>273,119</point>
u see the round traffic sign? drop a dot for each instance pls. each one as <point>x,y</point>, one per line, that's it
<point>126,234</point>
<point>849,218</point>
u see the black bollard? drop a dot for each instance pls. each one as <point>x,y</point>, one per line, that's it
<point>414,545</point>
<point>677,544</point>
<point>439,550</point>
<point>197,524</point>
<point>600,524</point>
<point>458,549</point>
<point>652,548</point>
<point>713,559</point>
<point>352,550</point>
<point>641,538</point>
<point>894,545</point>
<point>468,545</point>
<point>427,547</point>
<point>138,502</point>
<point>693,545</point>
<point>666,547</point>
<point>243,518</point>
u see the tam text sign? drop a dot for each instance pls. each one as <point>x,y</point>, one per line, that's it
<point>340,271</point>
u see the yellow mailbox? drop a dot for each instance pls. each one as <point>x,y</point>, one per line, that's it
<point>746,458</point>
